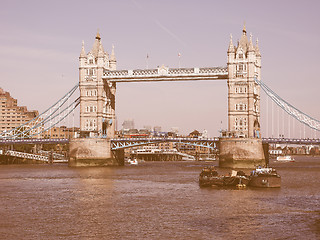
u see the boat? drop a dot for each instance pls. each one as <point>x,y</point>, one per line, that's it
<point>265,178</point>
<point>133,161</point>
<point>209,177</point>
<point>286,158</point>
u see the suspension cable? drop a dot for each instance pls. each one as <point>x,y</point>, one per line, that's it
<point>290,109</point>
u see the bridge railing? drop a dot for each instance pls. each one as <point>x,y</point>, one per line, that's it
<point>166,71</point>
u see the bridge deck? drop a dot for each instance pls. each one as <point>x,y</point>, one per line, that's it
<point>166,74</point>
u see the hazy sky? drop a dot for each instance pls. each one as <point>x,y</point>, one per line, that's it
<point>40,43</point>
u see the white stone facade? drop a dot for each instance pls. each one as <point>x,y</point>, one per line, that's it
<point>97,103</point>
<point>244,64</point>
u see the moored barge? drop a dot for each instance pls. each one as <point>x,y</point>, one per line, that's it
<point>265,178</point>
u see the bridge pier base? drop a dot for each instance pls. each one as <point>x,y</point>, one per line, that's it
<point>241,153</point>
<point>93,152</point>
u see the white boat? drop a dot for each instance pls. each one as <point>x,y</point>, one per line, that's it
<point>286,158</point>
<point>133,161</point>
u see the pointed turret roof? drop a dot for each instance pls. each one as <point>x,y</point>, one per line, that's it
<point>244,40</point>
<point>250,48</point>
<point>98,35</point>
<point>231,47</point>
<point>113,56</point>
<point>244,29</point>
<point>100,51</point>
<point>257,49</point>
<point>97,45</point>
<point>83,53</point>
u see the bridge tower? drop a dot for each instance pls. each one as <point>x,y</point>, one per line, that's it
<point>97,102</point>
<point>244,64</point>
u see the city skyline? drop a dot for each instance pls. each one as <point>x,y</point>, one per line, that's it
<point>42,42</point>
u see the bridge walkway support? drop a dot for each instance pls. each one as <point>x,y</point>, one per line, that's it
<point>241,153</point>
<point>94,152</point>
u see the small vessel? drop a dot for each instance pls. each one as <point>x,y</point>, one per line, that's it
<point>210,177</point>
<point>265,178</point>
<point>286,158</point>
<point>133,161</point>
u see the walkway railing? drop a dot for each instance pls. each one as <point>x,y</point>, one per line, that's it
<point>166,74</point>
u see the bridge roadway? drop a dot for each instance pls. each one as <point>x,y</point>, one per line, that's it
<point>118,143</point>
<point>166,74</point>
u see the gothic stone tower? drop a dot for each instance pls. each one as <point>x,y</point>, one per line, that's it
<point>243,147</point>
<point>97,105</point>
<point>244,64</point>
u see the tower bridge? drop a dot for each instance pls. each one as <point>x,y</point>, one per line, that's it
<point>241,146</point>
<point>98,78</point>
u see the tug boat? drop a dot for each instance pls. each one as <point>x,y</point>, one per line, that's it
<point>209,177</point>
<point>265,178</point>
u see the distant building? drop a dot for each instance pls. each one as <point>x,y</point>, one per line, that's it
<point>61,132</point>
<point>175,130</point>
<point>12,115</point>
<point>194,134</point>
<point>157,129</point>
<point>128,124</point>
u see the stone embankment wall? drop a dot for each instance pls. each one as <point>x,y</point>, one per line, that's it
<point>93,152</point>
<point>241,153</point>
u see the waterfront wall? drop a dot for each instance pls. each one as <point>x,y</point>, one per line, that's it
<point>93,152</point>
<point>241,153</point>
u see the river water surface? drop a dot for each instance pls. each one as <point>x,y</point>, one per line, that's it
<point>155,200</point>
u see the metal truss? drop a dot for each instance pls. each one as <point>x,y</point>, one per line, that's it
<point>297,141</point>
<point>34,141</point>
<point>291,110</point>
<point>121,143</point>
<point>46,120</point>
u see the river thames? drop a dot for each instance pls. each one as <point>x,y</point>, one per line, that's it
<point>155,200</point>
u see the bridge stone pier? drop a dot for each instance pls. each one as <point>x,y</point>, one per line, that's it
<point>240,145</point>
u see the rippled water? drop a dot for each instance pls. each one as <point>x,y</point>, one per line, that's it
<point>155,200</point>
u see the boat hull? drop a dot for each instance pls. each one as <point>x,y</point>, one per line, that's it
<point>265,181</point>
<point>223,181</point>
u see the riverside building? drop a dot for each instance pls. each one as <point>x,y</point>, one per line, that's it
<point>12,115</point>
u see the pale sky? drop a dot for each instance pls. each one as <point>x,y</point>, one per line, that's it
<point>40,43</point>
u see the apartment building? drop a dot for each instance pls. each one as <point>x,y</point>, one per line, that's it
<point>12,115</point>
